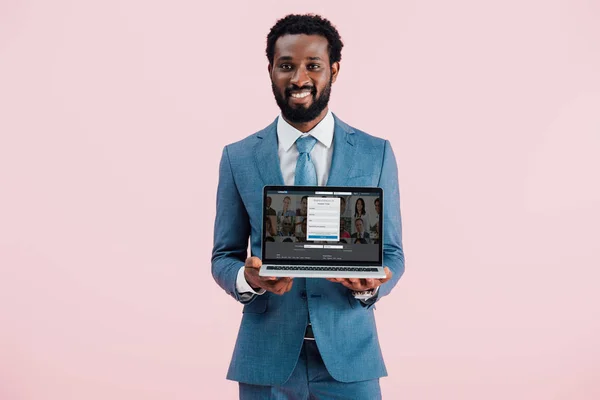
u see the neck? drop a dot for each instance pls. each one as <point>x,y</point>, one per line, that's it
<point>308,126</point>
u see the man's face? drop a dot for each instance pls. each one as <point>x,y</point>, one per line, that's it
<point>301,76</point>
<point>359,225</point>
<point>377,207</point>
<point>303,202</point>
<point>286,203</point>
<point>268,202</point>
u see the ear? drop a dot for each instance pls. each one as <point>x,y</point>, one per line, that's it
<point>335,69</point>
<point>270,69</point>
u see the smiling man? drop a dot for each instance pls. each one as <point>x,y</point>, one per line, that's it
<point>303,338</point>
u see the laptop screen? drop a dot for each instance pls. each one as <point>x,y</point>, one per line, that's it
<point>322,225</point>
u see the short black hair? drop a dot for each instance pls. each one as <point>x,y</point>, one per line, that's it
<point>308,24</point>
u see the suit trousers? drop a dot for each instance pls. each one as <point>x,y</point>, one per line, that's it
<point>311,381</point>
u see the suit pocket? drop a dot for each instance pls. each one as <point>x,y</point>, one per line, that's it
<point>258,306</point>
<point>363,180</point>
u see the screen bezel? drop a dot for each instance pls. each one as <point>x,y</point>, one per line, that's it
<point>298,189</point>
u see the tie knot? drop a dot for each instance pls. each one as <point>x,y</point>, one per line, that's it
<point>305,144</point>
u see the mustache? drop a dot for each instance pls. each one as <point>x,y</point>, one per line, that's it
<point>294,88</point>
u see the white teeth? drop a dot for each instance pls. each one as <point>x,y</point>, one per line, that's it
<point>300,95</point>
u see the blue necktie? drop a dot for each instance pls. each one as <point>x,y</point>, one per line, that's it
<point>306,175</point>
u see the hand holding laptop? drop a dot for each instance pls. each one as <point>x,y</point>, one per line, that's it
<point>360,285</point>
<point>269,283</point>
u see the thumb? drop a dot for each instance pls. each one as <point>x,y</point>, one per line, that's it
<point>253,262</point>
<point>388,275</point>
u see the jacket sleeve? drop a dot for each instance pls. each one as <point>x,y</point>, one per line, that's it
<point>231,231</point>
<point>393,254</point>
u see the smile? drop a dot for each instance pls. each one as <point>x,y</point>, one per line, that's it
<point>300,95</point>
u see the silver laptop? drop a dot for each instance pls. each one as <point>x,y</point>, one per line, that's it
<point>322,232</point>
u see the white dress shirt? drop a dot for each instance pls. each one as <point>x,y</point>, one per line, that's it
<point>320,155</point>
<point>288,153</point>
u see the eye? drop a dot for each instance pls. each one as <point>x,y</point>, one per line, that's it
<point>286,67</point>
<point>313,66</point>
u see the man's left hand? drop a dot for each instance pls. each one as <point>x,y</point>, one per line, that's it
<point>359,285</point>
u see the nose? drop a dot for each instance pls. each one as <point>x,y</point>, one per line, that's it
<point>300,77</point>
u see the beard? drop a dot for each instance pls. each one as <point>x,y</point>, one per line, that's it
<point>302,114</point>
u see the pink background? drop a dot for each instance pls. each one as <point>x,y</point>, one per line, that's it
<point>113,115</point>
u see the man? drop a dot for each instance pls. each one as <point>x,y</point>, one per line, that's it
<point>301,212</point>
<point>302,338</point>
<point>301,237</point>
<point>344,211</point>
<point>268,209</point>
<point>375,227</point>
<point>287,227</point>
<point>360,231</point>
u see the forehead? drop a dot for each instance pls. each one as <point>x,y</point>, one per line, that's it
<point>298,47</point>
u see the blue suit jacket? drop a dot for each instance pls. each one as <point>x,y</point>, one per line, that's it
<point>272,329</point>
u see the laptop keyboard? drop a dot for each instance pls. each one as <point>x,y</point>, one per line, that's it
<point>301,268</point>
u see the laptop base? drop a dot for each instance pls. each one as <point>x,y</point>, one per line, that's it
<point>322,271</point>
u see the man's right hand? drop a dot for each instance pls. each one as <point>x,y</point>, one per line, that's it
<point>269,283</point>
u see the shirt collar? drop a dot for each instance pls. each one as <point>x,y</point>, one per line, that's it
<point>323,132</point>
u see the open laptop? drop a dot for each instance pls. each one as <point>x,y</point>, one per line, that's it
<point>322,232</point>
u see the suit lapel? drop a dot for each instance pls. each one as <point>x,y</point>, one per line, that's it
<point>266,157</point>
<point>342,160</point>
<point>344,151</point>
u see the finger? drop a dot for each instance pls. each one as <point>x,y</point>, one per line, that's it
<point>369,282</point>
<point>280,286</point>
<point>347,284</point>
<point>283,288</point>
<point>289,286</point>
<point>353,283</point>
<point>274,291</point>
<point>388,275</point>
<point>253,262</point>
<point>283,280</point>
<point>272,287</point>
<point>252,272</point>
<point>255,272</point>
